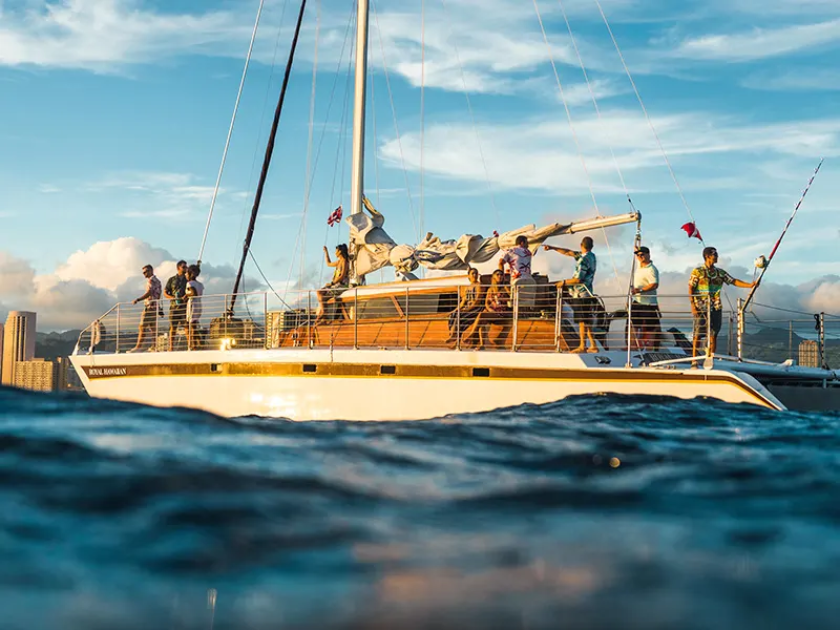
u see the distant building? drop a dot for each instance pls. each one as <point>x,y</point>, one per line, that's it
<point>809,354</point>
<point>38,375</point>
<point>18,343</point>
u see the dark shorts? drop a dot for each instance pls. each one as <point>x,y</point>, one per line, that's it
<point>177,314</point>
<point>149,316</point>
<point>645,317</point>
<point>584,308</point>
<point>701,325</point>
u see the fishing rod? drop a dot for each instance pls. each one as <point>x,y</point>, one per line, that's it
<point>763,263</point>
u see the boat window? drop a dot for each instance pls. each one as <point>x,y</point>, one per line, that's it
<point>419,303</point>
<point>376,308</point>
<point>448,302</point>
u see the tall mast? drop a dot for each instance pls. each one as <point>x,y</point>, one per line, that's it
<point>357,182</point>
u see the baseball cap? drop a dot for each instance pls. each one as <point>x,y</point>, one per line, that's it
<point>642,250</point>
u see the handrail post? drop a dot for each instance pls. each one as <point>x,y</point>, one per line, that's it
<point>629,329</point>
<point>823,362</point>
<point>157,307</point>
<point>407,344</point>
<point>515,335</point>
<point>709,326</point>
<point>310,342</point>
<point>458,321</point>
<point>558,318</point>
<point>267,343</point>
<point>356,318</point>
<point>117,344</point>
<point>729,334</point>
<point>740,329</point>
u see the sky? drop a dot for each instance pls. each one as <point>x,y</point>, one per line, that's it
<point>114,115</point>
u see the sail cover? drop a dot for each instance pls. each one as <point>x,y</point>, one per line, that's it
<point>375,249</point>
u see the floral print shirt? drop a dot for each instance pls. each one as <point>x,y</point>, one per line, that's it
<point>705,285</point>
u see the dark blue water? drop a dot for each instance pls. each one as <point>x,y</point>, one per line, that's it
<point>596,512</point>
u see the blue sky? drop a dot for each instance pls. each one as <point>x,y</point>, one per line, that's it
<point>114,113</point>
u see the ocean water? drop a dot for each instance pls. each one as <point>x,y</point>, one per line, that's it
<point>595,512</point>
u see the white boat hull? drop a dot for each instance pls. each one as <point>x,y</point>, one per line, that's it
<point>359,385</point>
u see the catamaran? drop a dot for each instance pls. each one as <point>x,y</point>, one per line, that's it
<point>398,350</point>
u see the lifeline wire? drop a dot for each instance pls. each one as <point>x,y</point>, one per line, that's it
<point>230,132</point>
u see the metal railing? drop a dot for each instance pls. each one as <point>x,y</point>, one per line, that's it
<point>409,316</point>
<point>774,334</point>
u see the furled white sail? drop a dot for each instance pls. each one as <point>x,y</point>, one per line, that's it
<point>375,249</point>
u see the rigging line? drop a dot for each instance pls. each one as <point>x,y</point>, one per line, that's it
<point>332,93</point>
<point>592,95</point>
<point>230,131</point>
<point>265,106</point>
<point>396,124</point>
<point>269,152</point>
<point>472,118</point>
<point>573,130</point>
<point>609,144</point>
<point>375,136</point>
<point>647,115</point>
<point>257,265</point>
<point>309,146</point>
<point>323,135</point>
<point>422,113</point>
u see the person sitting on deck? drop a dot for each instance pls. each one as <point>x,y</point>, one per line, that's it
<point>521,280</point>
<point>497,310</point>
<point>581,290</point>
<point>471,304</point>
<point>339,280</point>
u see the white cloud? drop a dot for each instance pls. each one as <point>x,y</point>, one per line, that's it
<point>760,43</point>
<point>541,155</point>
<point>102,35</point>
<point>172,196</point>
<point>805,79</point>
<point>108,264</point>
<point>94,280</point>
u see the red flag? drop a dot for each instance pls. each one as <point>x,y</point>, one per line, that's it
<point>335,217</point>
<point>692,231</point>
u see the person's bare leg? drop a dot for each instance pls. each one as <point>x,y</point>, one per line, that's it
<point>319,313</point>
<point>712,342</point>
<point>582,345</point>
<point>140,335</point>
<point>593,347</point>
<point>189,336</point>
<point>172,331</point>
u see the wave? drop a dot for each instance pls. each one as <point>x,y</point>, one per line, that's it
<point>599,510</point>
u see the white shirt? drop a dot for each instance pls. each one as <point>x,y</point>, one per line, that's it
<point>643,277</point>
<point>194,303</point>
<point>519,259</point>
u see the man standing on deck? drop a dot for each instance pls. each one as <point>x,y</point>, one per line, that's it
<point>581,290</point>
<point>175,292</point>
<point>521,281</point>
<point>704,288</point>
<point>150,306</point>
<point>644,312</point>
